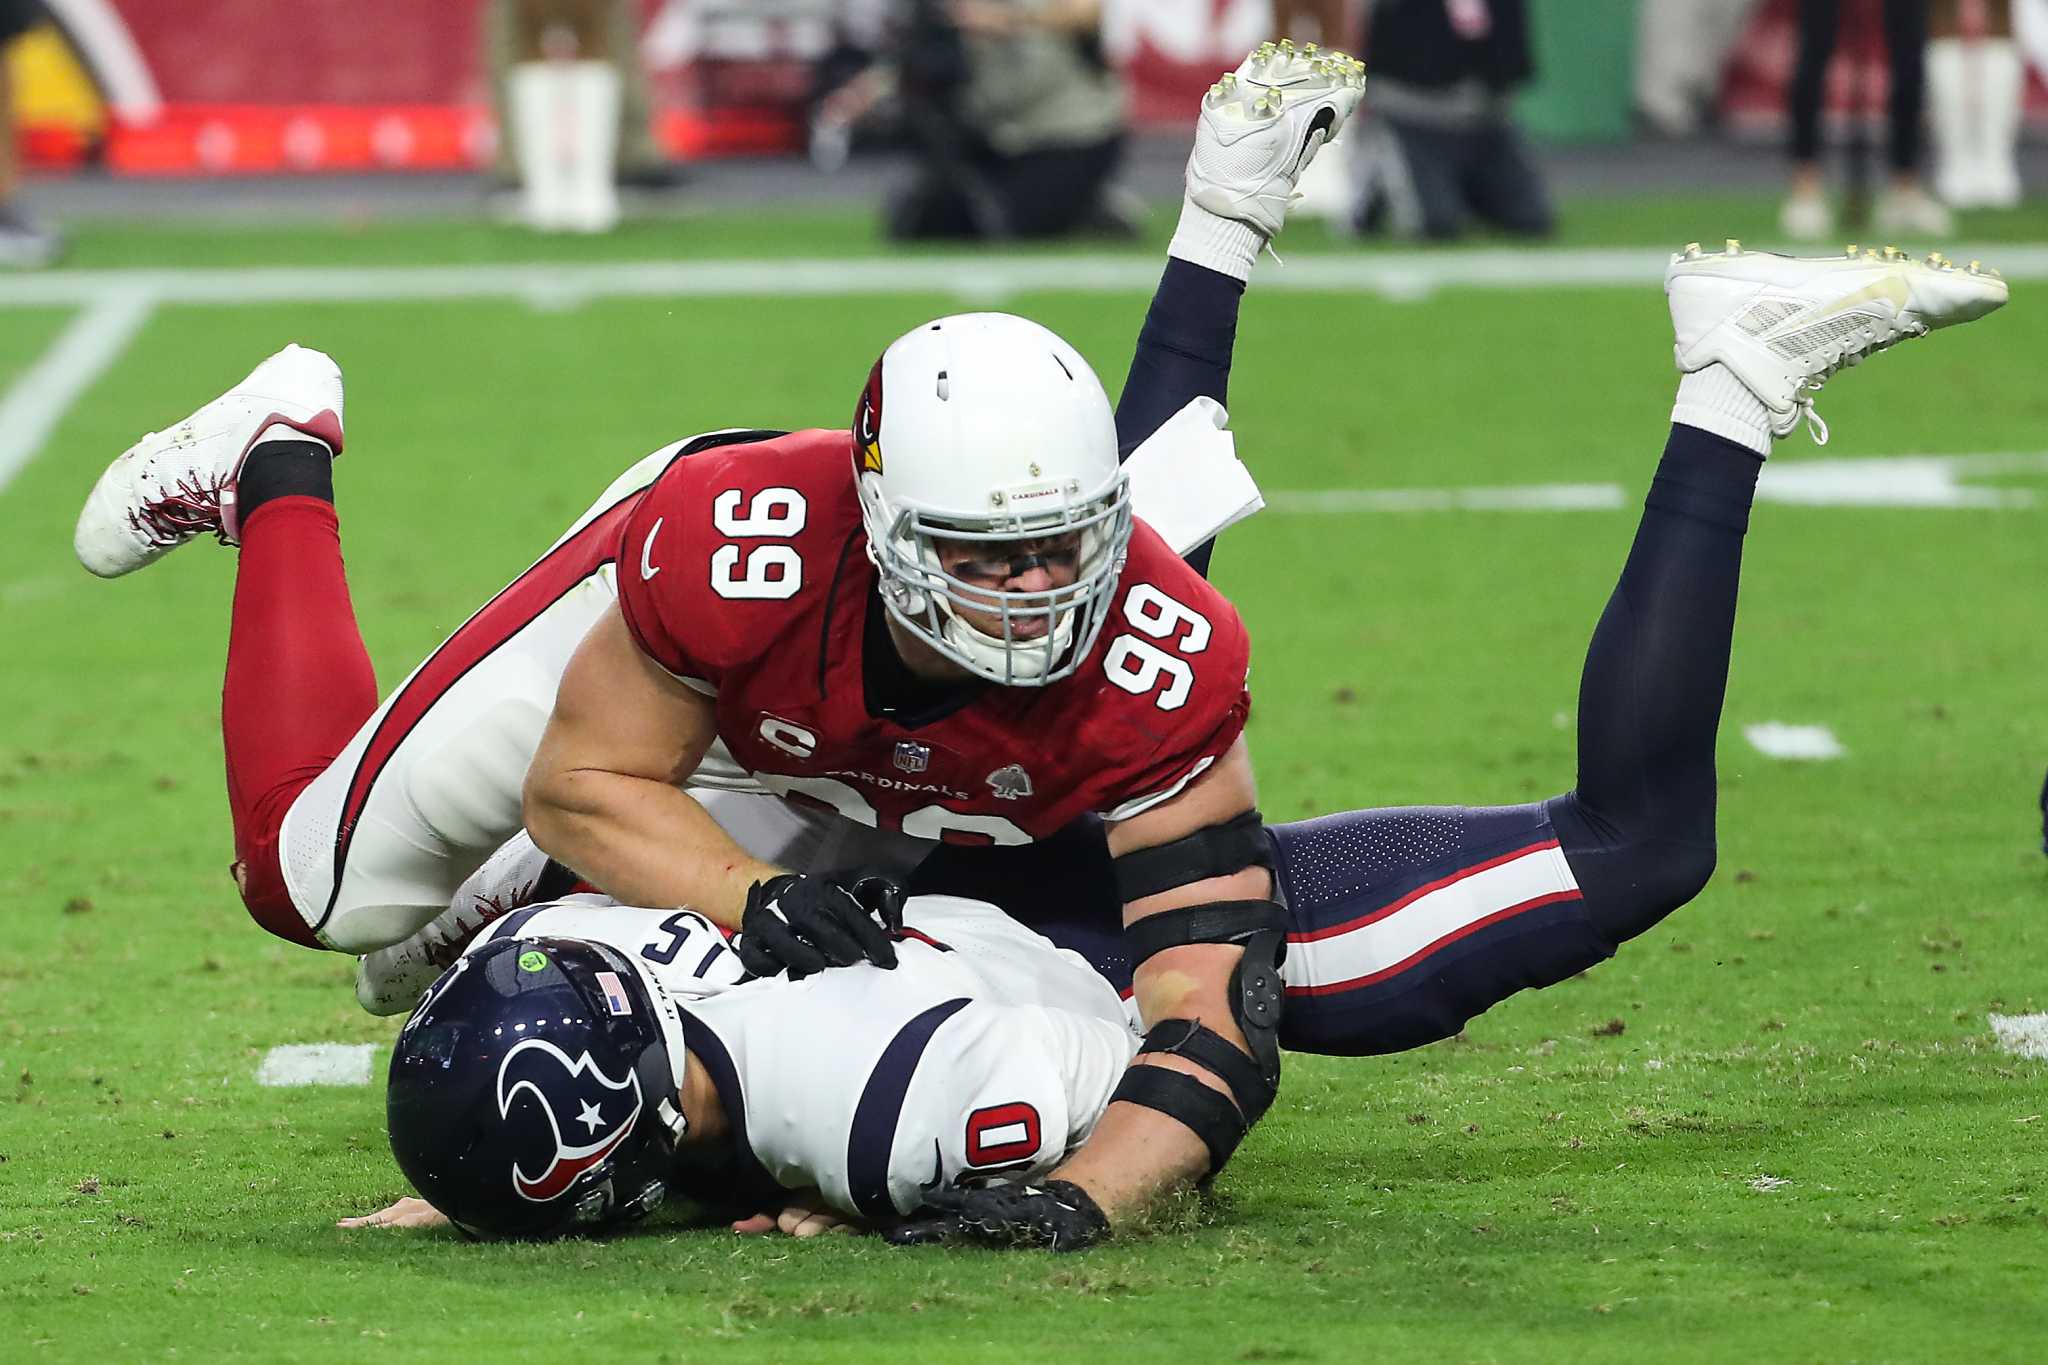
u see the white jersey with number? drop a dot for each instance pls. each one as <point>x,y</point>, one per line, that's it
<point>986,1051</point>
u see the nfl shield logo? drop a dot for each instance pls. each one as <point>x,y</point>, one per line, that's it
<point>1011,783</point>
<point>913,757</point>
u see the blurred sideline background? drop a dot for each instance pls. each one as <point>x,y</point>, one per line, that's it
<point>389,109</point>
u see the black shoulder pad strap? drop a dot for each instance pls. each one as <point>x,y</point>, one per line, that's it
<point>1213,851</point>
<point>1207,1113</point>
<point>1217,1055</point>
<point>1216,922</point>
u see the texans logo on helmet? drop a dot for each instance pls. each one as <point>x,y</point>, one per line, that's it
<point>606,1108</point>
<point>867,422</point>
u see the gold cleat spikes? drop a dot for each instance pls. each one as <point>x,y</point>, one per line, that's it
<point>1692,251</point>
<point>1268,105</point>
<point>1937,261</point>
<point>1892,253</point>
<point>1732,247</point>
<point>1849,252</point>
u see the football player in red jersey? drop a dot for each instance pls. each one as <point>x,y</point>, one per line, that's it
<point>947,626</point>
<point>1400,924</point>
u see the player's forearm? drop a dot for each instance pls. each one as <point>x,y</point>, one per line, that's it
<point>643,842</point>
<point>1137,1154</point>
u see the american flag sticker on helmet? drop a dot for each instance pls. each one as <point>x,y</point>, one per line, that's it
<point>615,994</point>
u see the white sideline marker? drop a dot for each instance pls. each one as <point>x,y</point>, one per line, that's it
<point>296,1064</point>
<point>2023,1035</point>
<point>1799,743</point>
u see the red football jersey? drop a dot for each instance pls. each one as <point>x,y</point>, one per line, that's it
<point>744,571</point>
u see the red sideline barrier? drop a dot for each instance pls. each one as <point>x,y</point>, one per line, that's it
<point>243,87</point>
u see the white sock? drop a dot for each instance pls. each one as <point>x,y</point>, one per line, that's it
<point>1951,109</point>
<point>1714,400</point>
<point>536,97</point>
<point>2002,73</point>
<point>1221,244</point>
<point>278,431</point>
<point>593,92</point>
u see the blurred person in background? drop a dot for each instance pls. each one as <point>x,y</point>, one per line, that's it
<point>1331,21</point>
<point>641,163</point>
<point>1681,46</point>
<point>1443,148</point>
<point>1329,188</point>
<point>1017,120</point>
<point>1975,84</point>
<point>560,108</point>
<point>1904,206</point>
<point>22,242</point>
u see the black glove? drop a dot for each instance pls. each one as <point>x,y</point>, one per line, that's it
<point>804,924</point>
<point>1058,1215</point>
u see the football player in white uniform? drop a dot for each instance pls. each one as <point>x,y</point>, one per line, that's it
<point>583,1060</point>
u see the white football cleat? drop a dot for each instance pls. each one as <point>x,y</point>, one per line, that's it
<point>1784,324</point>
<point>389,981</point>
<point>172,485</point>
<point>1261,126</point>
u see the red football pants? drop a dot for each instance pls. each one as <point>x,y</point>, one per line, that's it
<point>299,685</point>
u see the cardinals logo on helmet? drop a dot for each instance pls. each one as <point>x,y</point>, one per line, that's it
<point>867,423</point>
<point>606,1110</point>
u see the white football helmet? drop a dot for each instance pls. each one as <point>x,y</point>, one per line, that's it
<point>988,428</point>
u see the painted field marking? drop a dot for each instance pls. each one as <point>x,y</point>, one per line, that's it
<point>1799,743</point>
<point>1932,481</point>
<point>1392,274</point>
<point>2023,1035</point>
<point>295,1064</point>
<point>86,349</point>
<point>1553,497</point>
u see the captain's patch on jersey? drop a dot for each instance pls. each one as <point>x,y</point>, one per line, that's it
<point>615,996</point>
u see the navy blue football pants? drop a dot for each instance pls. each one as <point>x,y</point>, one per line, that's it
<point>1409,922</point>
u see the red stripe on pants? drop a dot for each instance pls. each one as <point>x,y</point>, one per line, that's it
<point>565,567</point>
<point>299,685</point>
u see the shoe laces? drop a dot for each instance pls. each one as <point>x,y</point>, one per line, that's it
<point>188,507</point>
<point>1848,356</point>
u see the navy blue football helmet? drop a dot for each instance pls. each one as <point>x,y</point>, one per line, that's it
<point>533,1091</point>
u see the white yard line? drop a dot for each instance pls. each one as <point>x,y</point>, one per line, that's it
<point>1393,274</point>
<point>2024,1035</point>
<point>1799,743</point>
<point>82,352</point>
<point>294,1064</point>
<point>1552,497</point>
<point>1936,481</point>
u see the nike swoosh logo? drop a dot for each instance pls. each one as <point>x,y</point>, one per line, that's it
<point>1319,126</point>
<point>647,569</point>
<point>938,1170</point>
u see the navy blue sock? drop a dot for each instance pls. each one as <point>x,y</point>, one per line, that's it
<point>1650,696</point>
<point>1183,354</point>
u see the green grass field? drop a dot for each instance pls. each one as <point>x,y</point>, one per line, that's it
<point>1776,1128</point>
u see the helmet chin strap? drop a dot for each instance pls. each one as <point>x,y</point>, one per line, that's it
<point>994,656</point>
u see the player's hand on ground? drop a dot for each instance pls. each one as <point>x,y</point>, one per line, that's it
<point>1057,1215</point>
<point>801,925</point>
<point>406,1213</point>
<point>805,1216</point>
